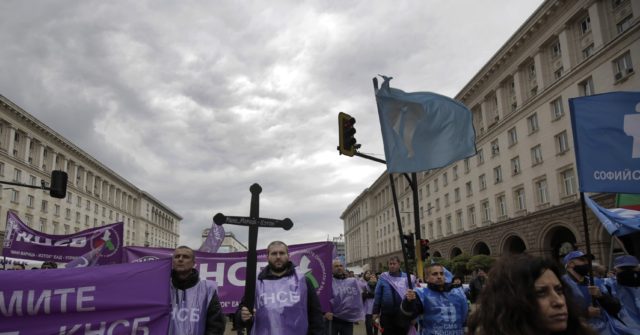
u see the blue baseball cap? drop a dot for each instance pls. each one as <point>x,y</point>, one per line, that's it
<point>575,254</point>
<point>625,260</point>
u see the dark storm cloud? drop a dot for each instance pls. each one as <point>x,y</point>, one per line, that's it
<point>193,101</point>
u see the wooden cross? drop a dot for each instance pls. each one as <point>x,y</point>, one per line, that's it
<point>253,222</point>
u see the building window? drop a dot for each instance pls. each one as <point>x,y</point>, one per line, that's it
<point>557,74</point>
<point>69,197</point>
<point>469,189</point>
<point>562,143</point>
<point>437,204</point>
<point>568,182</point>
<point>622,66</point>
<point>446,200</point>
<point>513,136</point>
<point>482,180</point>
<point>486,211</point>
<point>43,225</point>
<point>542,192</point>
<point>455,172</point>
<point>88,207</point>
<point>555,49</point>
<point>497,174</point>
<point>471,216</point>
<point>495,148</point>
<point>480,156</point>
<point>1,169</point>
<point>501,202</point>
<point>586,87</point>
<point>456,194</point>
<point>585,25</point>
<point>435,185</point>
<point>44,206</point>
<point>15,196</point>
<point>624,24</point>
<point>445,179</point>
<point>532,123</point>
<point>459,223</point>
<point>531,71</point>
<point>519,199</point>
<point>17,175</point>
<point>78,201</point>
<point>448,224</point>
<point>32,180</point>
<point>467,168</point>
<point>557,111</point>
<point>68,214</point>
<point>536,155</point>
<point>428,188</point>
<point>30,200</point>
<point>515,165</point>
<point>588,51</point>
<point>56,210</point>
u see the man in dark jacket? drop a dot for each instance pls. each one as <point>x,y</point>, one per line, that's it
<point>195,305</point>
<point>286,302</point>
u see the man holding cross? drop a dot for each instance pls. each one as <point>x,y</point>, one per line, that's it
<point>286,302</point>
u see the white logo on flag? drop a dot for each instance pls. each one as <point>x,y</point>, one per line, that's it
<point>632,128</point>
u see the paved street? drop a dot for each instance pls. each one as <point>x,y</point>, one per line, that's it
<point>358,329</point>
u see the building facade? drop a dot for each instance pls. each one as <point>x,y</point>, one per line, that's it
<point>229,244</point>
<point>520,191</point>
<point>96,196</point>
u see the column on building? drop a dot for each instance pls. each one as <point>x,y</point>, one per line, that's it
<point>567,53</point>
<point>27,147</point>
<point>517,82</point>
<point>597,28</point>
<point>12,140</point>
<point>41,158</point>
<point>500,98</point>
<point>537,61</point>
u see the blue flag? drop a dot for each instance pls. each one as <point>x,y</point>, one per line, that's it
<point>423,130</point>
<point>606,136</point>
<point>617,221</point>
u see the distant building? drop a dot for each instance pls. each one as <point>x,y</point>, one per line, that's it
<point>520,192</point>
<point>338,241</point>
<point>96,195</point>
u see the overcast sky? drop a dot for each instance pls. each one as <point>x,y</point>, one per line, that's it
<point>194,101</point>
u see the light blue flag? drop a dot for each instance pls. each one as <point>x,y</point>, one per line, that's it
<point>423,130</point>
<point>617,221</point>
<point>606,136</point>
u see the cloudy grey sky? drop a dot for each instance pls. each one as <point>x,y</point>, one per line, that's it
<point>194,101</point>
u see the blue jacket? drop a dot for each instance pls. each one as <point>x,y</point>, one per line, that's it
<point>386,300</point>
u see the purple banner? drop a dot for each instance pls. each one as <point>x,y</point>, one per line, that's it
<point>113,299</point>
<point>21,241</point>
<point>228,270</point>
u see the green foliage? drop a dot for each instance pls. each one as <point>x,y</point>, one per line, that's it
<point>480,262</point>
<point>459,265</point>
<point>440,260</point>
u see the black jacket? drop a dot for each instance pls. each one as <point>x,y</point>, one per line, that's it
<point>314,310</point>
<point>215,324</point>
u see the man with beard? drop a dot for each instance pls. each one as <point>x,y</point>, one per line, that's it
<point>603,317</point>
<point>346,302</point>
<point>442,308</point>
<point>195,305</point>
<point>626,287</point>
<point>286,301</point>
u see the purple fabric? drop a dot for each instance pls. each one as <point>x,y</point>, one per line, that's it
<point>214,239</point>
<point>21,241</point>
<point>189,308</point>
<point>228,270</point>
<point>346,302</point>
<point>126,298</point>
<point>281,306</point>
<point>89,259</point>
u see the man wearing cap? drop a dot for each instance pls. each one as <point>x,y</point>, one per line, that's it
<point>626,287</point>
<point>603,316</point>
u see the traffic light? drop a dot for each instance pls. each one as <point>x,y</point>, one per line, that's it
<point>409,246</point>
<point>424,248</point>
<point>58,187</point>
<point>348,144</point>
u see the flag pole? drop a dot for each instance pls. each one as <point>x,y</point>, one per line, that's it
<point>405,255</point>
<point>587,241</point>
<point>418,231</point>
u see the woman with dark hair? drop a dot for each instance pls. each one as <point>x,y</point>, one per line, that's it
<point>524,295</point>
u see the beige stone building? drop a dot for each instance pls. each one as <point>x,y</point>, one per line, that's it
<point>96,195</point>
<point>520,191</point>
